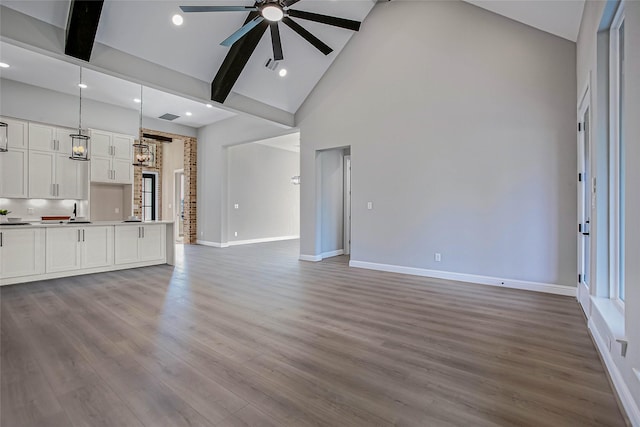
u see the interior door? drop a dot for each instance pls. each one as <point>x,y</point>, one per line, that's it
<point>585,203</point>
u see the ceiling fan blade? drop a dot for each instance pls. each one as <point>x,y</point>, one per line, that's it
<point>242,31</point>
<point>287,3</point>
<point>187,9</point>
<point>325,19</point>
<point>235,61</point>
<point>307,35</point>
<point>275,42</point>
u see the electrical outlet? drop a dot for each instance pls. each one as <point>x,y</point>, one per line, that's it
<point>437,257</point>
<point>369,205</point>
<point>202,234</point>
<point>235,233</point>
<point>236,206</point>
<point>117,210</point>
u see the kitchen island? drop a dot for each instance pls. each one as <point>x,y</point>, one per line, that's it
<point>40,251</point>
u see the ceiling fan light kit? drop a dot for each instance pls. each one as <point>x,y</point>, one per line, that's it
<point>245,40</point>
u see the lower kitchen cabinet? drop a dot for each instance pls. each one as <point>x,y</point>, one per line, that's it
<point>72,248</point>
<point>22,252</point>
<point>140,243</point>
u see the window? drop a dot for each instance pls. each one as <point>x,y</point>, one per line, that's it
<point>149,202</point>
<point>617,146</point>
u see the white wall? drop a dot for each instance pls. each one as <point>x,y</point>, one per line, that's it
<point>259,182</point>
<point>212,169</point>
<point>592,67</point>
<point>461,127</point>
<point>37,104</point>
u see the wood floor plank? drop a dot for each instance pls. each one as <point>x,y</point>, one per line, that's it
<point>250,336</point>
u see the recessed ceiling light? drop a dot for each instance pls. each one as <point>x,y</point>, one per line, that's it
<point>82,85</point>
<point>283,72</point>
<point>136,100</point>
<point>177,20</point>
<point>188,113</point>
<point>209,106</point>
<point>4,65</point>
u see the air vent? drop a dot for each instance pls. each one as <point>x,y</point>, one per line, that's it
<point>168,116</point>
<point>271,64</point>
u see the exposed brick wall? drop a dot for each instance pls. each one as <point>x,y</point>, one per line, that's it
<point>190,181</point>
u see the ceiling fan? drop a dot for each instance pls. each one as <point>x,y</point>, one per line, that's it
<point>263,14</point>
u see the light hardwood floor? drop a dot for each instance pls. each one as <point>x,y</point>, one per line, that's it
<point>250,336</point>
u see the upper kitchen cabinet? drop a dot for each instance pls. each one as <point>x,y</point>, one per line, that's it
<point>18,133</point>
<point>111,157</point>
<point>14,167</point>
<point>50,138</point>
<point>56,176</point>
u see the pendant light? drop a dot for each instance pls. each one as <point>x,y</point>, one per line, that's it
<point>4,137</point>
<point>80,141</point>
<point>141,152</point>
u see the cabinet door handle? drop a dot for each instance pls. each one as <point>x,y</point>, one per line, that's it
<point>78,235</point>
<point>142,232</point>
<point>114,174</point>
<point>1,241</point>
<point>83,234</point>
<point>139,233</point>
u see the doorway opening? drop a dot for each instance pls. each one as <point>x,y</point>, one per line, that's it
<point>334,199</point>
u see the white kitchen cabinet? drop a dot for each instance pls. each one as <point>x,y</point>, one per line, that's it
<point>72,248</point>
<point>21,252</point>
<point>63,249</point>
<point>56,176</point>
<point>112,157</point>
<point>97,247</point>
<point>50,138</point>
<point>42,175</point>
<point>152,243</point>
<point>140,243</point>
<point>123,147</point>
<point>126,244</point>
<point>18,131</point>
<point>14,173</point>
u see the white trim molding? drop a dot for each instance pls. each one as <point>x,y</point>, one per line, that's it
<point>212,244</point>
<point>312,258</point>
<point>471,278</point>
<point>263,240</point>
<point>624,394</point>
<point>316,258</point>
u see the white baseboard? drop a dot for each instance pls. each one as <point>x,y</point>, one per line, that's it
<point>316,258</point>
<point>312,258</point>
<point>212,244</point>
<point>263,240</point>
<point>332,253</point>
<point>624,394</point>
<point>471,278</point>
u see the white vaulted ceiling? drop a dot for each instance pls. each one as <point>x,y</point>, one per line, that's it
<point>143,29</point>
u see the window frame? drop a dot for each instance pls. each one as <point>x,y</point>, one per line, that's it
<point>616,166</point>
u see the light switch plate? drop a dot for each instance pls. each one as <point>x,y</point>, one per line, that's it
<point>369,205</point>
<point>236,206</point>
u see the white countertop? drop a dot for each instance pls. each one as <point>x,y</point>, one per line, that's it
<point>38,224</point>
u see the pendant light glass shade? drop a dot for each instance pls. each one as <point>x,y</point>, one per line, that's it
<point>80,141</point>
<point>141,152</point>
<point>4,137</point>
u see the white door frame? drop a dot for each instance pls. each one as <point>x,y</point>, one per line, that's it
<point>585,202</point>
<point>347,205</point>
